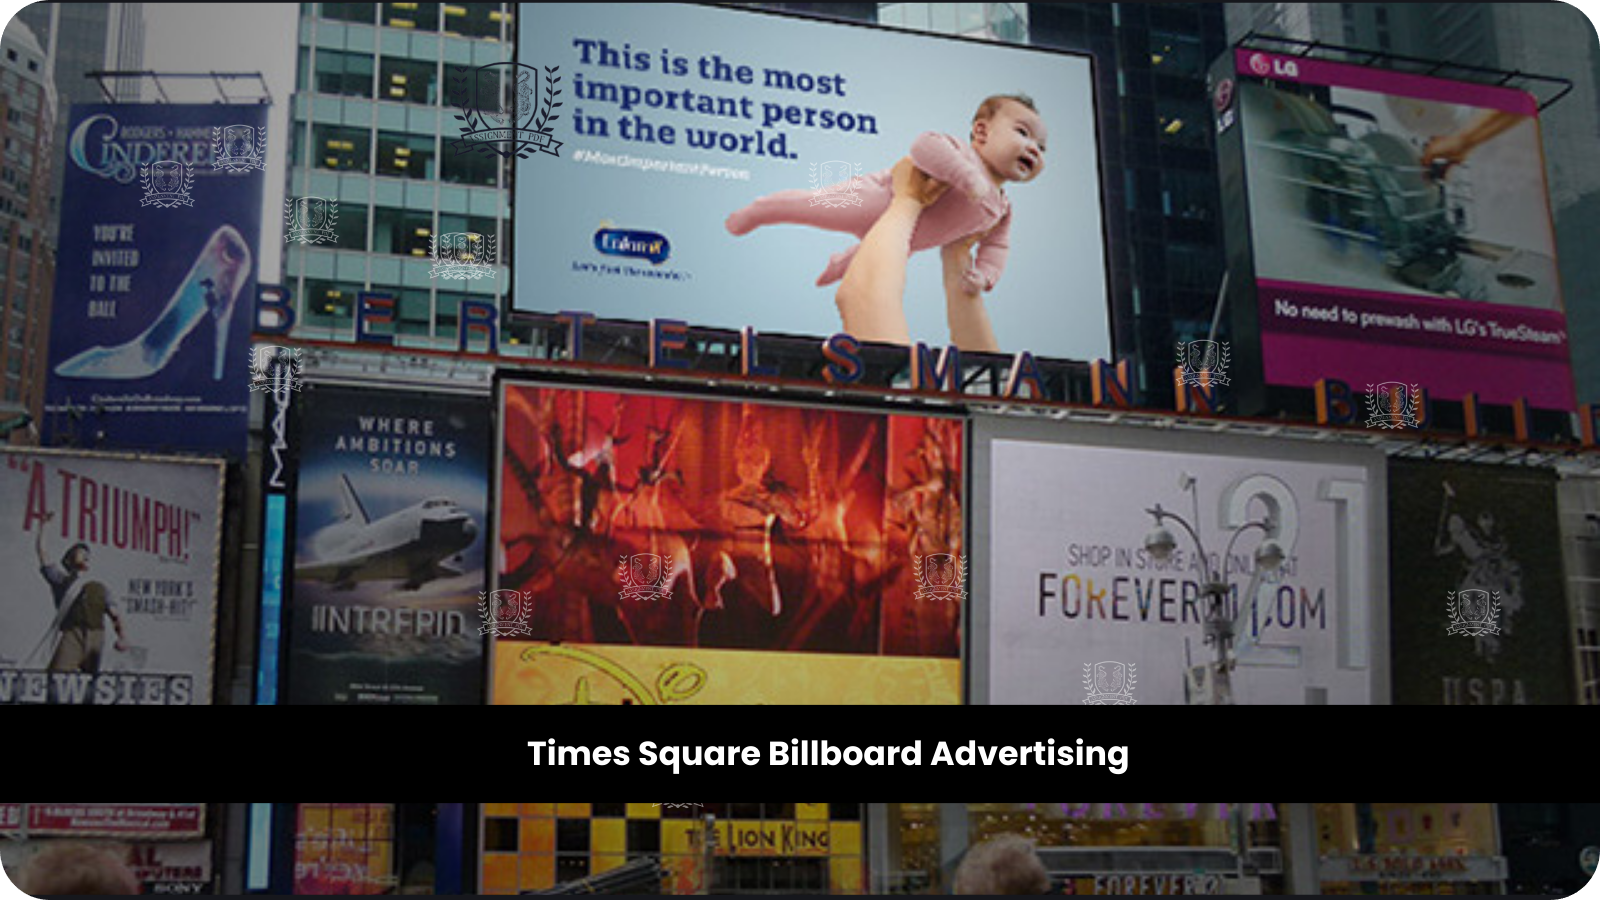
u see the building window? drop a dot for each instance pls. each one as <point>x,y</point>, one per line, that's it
<point>406,155</point>
<point>341,149</point>
<point>412,16</point>
<point>330,303</point>
<point>474,20</point>
<point>344,74</point>
<point>351,230</point>
<point>449,224</point>
<point>470,168</point>
<point>403,232</point>
<point>408,81</point>
<point>349,12</point>
<point>1176,54</point>
<point>413,308</point>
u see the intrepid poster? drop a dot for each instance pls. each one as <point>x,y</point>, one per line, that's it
<point>111,568</point>
<point>642,521</point>
<point>388,559</point>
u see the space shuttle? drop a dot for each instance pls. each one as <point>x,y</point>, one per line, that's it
<point>411,544</point>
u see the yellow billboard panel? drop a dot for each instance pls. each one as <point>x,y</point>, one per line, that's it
<point>537,673</point>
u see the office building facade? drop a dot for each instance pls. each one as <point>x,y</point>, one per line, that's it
<point>79,38</point>
<point>27,254</point>
<point>374,120</point>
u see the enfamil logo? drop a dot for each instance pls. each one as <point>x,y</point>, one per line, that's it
<point>637,244</point>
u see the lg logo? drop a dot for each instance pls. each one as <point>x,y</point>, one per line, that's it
<point>1264,65</point>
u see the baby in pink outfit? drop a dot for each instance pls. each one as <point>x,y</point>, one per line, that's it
<point>1007,144</point>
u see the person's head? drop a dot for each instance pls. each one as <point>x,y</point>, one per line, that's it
<point>1009,135</point>
<point>73,868</point>
<point>1002,865</point>
<point>76,559</point>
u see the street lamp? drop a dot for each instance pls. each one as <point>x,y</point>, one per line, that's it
<point>1219,631</point>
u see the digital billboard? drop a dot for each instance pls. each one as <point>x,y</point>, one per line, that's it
<point>344,848</point>
<point>112,567</point>
<point>1399,231</point>
<point>1073,596</point>
<point>720,167</point>
<point>160,234</point>
<point>1479,610</point>
<point>651,534</point>
<point>388,562</point>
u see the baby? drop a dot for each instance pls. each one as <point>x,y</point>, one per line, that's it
<point>1007,144</point>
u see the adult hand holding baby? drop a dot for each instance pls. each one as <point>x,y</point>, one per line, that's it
<point>871,296</point>
<point>911,183</point>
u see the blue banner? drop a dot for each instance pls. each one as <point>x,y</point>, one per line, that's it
<point>156,277</point>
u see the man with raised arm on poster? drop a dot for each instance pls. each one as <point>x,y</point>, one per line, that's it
<point>77,630</point>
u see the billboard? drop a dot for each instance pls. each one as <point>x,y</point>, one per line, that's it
<point>635,521</point>
<point>123,820</point>
<point>389,513</point>
<point>536,673</point>
<point>1579,501</point>
<point>160,227</point>
<point>1476,588</point>
<point>113,565</point>
<point>344,848</point>
<point>1074,598</point>
<point>1399,231</point>
<point>161,867</point>
<point>719,167</point>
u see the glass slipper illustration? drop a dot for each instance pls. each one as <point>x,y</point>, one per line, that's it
<point>212,286</point>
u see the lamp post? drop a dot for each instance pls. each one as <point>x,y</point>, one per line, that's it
<point>1219,630</point>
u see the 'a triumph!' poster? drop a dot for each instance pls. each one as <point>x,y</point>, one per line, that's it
<point>1479,611</point>
<point>389,547</point>
<point>160,239</point>
<point>110,567</point>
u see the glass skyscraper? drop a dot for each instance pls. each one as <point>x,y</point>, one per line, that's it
<point>374,121</point>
